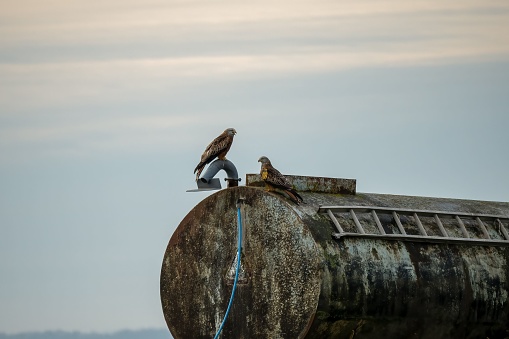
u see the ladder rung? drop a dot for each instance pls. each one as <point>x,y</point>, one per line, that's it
<point>398,222</point>
<point>483,228</point>
<point>335,221</point>
<point>462,226</point>
<point>357,223</point>
<point>419,225</point>
<point>502,229</point>
<point>378,223</point>
<point>441,227</point>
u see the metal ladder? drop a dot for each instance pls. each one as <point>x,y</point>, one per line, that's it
<point>415,214</point>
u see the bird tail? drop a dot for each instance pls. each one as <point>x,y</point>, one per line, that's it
<point>199,168</point>
<point>294,196</point>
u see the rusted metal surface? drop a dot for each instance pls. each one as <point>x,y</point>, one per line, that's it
<point>409,290</point>
<point>300,282</point>
<point>279,257</point>
<point>311,184</point>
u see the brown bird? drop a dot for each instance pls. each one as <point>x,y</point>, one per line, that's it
<point>275,180</point>
<point>216,149</point>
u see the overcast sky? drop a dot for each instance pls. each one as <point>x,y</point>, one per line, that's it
<point>106,107</point>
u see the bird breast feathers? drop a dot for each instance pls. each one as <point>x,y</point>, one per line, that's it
<point>264,174</point>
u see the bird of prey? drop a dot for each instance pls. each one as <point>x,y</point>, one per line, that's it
<point>275,180</point>
<point>216,149</point>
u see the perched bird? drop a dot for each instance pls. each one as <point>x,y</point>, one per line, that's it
<point>216,149</point>
<point>275,180</point>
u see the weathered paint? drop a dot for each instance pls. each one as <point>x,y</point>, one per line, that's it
<point>301,283</point>
<point>311,184</point>
<point>279,256</point>
<point>407,289</point>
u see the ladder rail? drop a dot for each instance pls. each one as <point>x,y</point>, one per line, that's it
<point>428,239</point>
<point>403,211</point>
<point>415,214</point>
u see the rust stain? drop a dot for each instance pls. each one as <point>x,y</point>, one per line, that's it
<point>311,184</point>
<point>279,298</point>
<point>301,283</point>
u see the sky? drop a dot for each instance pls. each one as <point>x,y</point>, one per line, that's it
<point>106,107</point>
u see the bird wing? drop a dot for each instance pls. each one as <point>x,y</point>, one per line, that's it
<point>219,145</point>
<point>275,178</point>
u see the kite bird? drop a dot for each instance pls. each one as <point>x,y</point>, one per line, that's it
<point>217,148</point>
<point>275,180</point>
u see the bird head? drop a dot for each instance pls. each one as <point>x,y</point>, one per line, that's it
<point>264,160</point>
<point>231,131</point>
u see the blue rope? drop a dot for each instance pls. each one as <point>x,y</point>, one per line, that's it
<point>239,221</point>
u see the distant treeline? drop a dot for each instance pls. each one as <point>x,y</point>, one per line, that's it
<point>127,334</point>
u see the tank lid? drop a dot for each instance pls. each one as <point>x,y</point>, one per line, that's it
<point>311,184</point>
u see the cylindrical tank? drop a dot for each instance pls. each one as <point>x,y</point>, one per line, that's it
<point>297,281</point>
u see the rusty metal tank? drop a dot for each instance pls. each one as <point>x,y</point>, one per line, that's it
<point>342,265</point>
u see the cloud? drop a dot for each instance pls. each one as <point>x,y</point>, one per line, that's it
<point>99,75</point>
<point>57,84</point>
<point>131,41</point>
<point>90,30</point>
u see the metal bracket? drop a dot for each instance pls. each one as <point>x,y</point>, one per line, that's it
<point>208,183</point>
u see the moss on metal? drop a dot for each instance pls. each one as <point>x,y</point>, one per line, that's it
<point>302,283</point>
